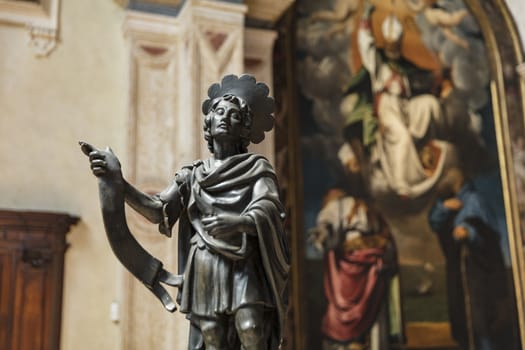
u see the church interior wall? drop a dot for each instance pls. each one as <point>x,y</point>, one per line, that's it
<point>78,92</point>
<point>48,104</point>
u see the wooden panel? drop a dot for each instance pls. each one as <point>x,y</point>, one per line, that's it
<point>6,295</point>
<point>32,247</point>
<point>30,302</point>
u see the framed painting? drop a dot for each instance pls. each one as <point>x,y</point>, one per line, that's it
<point>404,173</point>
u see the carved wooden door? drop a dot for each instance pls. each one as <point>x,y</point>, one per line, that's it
<point>32,247</point>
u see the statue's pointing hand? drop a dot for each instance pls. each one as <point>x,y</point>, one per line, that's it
<point>104,163</point>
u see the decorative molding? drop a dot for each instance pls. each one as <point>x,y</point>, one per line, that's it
<point>152,27</point>
<point>39,18</point>
<point>42,40</point>
<point>216,57</point>
<point>267,10</point>
<point>219,11</point>
<point>216,39</point>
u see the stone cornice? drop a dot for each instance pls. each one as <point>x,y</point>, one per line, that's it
<point>259,10</point>
<point>228,13</point>
<point>150,25</point>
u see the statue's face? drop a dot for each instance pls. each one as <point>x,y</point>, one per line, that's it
<point>226,122</point>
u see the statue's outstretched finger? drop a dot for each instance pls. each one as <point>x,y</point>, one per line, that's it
<point>86,147</point>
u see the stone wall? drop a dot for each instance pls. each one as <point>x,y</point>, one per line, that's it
<point>47,104</point>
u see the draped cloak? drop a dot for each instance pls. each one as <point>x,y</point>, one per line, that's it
<point>356,279</point>
<point>476,275</point>
<point>354,288</point>
<point>224,273</point>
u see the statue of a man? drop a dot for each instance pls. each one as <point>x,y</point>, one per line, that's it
<point>233,253</point>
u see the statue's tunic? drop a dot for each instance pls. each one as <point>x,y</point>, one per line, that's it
<point>226,272</point>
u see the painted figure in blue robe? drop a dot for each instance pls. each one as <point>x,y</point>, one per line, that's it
<point>479,286</point>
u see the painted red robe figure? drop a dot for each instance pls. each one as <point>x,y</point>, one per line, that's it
<point>360,259</point>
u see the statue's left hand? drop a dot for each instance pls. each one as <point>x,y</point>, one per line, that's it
<point>226,224</point>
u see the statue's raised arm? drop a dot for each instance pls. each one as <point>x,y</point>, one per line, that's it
<point>112,191</point>
<point>233,252</point>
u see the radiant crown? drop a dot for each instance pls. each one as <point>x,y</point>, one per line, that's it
<point>256,96</point>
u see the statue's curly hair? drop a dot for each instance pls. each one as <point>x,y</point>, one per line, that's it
<point>246,118</point>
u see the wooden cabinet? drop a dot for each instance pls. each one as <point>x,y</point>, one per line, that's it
<point>32,246</point>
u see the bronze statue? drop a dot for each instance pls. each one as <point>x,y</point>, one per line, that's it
<point>233,253</point>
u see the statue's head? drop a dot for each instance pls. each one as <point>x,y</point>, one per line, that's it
<point>246,99</point>
<point>229,118</point>
<point>392,31</point>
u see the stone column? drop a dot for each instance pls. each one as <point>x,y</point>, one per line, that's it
<point>158,47</point>
<point>173,60</point>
